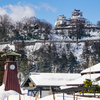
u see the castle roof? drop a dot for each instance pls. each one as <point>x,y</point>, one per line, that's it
<point>77,17</point>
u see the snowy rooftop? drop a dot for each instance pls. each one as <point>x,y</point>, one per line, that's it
<point>77,17</point>
<point>95,68</point>
<point>80,81</point>
<point>52,79</point>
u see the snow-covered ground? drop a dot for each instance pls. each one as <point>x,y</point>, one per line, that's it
<point>16,97</point>
<point>66,97</point>
<point>50,97</point>
<point>10,46</point>
<point>12,95</point>
<point>4,94</point>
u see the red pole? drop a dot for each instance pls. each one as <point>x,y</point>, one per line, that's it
<point>35,97</point>
<point>76,97</point>
<point>7,97</point>
<point>20,98</point>
<point>54,97</point>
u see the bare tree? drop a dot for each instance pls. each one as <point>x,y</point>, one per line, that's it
<point>6,27</point>
<point>28,23</point>
<point>19,26</point>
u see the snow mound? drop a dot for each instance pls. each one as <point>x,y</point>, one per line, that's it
<point>12,95</point>
<point>4,94</point>
<point>2,88</point>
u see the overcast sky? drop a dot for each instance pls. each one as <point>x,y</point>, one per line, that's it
<point>50,9</point>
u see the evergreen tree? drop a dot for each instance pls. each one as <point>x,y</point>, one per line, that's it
<point>23,65</point>
<point>25,68</point>
<point>78,31</point>
<point>72,62</point>
<point>2,60</point>
<point>88,83</point>
<point>20,48</point>
<point>47,58</point>
<point>96,52</point>
<point>46,65</point>
<point>86,53</point>
<point>17,36</point>
<point>63,66</point>
<point>54,55</point>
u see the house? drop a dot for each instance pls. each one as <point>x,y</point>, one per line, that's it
<point>80,80</point>
<point>92,73</point>
<point>41,84</point>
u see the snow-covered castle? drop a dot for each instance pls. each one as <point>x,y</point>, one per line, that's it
<point>77,17</point>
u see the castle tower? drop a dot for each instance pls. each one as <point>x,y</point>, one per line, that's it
<point>77,17</point>
<point>10,79</point>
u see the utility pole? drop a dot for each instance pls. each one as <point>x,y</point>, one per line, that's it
<point>90,64</point>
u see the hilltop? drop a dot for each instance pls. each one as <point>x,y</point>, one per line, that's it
<point>65,48</point>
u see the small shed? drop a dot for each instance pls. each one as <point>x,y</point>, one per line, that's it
<point>37,83</point>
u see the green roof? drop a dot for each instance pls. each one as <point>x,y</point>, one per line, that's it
<point>11,53</point>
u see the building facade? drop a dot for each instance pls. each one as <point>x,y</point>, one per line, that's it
<point>77,17</point>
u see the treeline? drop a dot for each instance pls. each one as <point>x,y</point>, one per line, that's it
<point>2,60</point>
<point>33,28</point>
<point>54,58</point>
<point>26,29</point>
<point>49,57</point>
